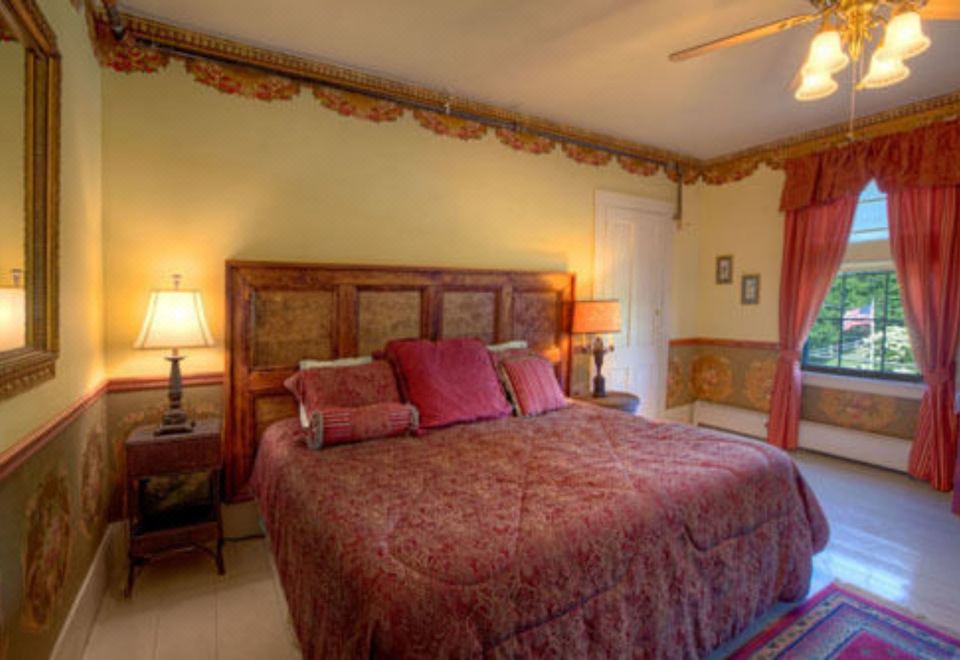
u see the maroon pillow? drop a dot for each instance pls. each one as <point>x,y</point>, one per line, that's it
<point>345,387</point>
<point>534,385</point>
<point>449,381</point>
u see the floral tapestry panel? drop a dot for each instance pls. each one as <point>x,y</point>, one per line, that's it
<point>350,104</point>
<point>450,126</point>
<point>862,411</point>
<point>712,377</point>
<point>92,477</point>
<point>46,550</point>
<point>532,144</point>
<point>758,382</point>
<point>242,82</point>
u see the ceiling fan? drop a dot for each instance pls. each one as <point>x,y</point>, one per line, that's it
<point>846,29</point>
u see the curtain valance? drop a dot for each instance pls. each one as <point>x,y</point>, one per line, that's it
<point>924,157</point>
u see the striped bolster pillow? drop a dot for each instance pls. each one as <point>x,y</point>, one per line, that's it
<point>334,425</point>
<point>533,385</point>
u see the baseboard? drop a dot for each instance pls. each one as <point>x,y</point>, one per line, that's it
<point>76,628</point>
<point>682,414</point>
<point>871,448</point>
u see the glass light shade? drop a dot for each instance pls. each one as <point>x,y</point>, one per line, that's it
<point>596,316</point>
<point>13,317</point>
<point>884,71</point>
<point>904,37</point>
<point>816,85</point>
<point>175,319</point>
<point>826,54</point>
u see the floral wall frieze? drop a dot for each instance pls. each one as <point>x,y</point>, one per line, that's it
<point>127,55</point>
<point>638,166</point>
<point>528,142</point>
<point>360,106</point>
<point>450,125</point>
<point>242,81</point>
<point>586,155</point>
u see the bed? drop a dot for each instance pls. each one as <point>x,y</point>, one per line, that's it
<point>584,532</point>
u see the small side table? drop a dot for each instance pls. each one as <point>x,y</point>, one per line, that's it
<point>190,526</point>
<point>615,400</point>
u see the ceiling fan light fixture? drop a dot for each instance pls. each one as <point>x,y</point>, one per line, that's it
<point>884,71</point>
<point>816,85</point>
<point>904,37</point>
<point>826,53</point>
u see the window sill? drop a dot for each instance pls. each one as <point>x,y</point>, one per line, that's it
<point>881,387</point>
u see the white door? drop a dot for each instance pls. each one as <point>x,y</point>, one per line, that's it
<point>632,264</point>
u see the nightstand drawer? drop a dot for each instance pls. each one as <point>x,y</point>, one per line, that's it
<point>149,455</point>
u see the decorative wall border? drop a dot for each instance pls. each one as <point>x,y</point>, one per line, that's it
<point>18,453</point>
<point>726,343</point>
<point>236,68</point>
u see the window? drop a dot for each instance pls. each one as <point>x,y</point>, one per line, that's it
<point>860,329</point>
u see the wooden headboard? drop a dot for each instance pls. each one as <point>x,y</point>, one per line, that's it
<point>280,313</point>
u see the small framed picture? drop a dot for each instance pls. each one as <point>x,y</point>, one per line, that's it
<point>725,269</point>
<point>750,290</point>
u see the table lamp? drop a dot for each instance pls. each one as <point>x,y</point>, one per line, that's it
<point>174,320</point>
<point>597,317</point>
<point>13,314</point>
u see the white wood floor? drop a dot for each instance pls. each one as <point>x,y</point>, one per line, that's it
<point>890,536</point>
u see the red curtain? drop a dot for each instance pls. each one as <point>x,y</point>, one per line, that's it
<point>814,241</point>
<point>925,240</point>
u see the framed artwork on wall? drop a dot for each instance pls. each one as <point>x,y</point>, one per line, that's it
<point>750,290</point>
<point>725,269</point>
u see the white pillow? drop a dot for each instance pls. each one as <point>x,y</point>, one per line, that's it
<point>507,346</point>
<point>327,364</point>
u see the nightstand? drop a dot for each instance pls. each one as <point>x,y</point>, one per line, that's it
<point>615,400</point>
<point>195,525</point>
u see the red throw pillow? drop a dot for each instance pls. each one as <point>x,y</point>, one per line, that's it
<point>534,385</point>
<point>335,426</point>
<point>344,387</point>
<point>449,381</point>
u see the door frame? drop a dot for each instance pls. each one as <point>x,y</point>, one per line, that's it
<point>663,211</point>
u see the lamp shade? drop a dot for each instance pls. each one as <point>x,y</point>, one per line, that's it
<point>596,316</point>
<point>884,72</point>
<point>13,317</point>
<point>904,37</point>
<point>175,319</point>
<point>826,53</point>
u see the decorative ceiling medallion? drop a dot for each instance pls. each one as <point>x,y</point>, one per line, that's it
<point>127,56</point>
<point>586,155</point>
<point>46,550</point>
<point>532,144</point>
<point>351,104</point>
<point>451,126</point>
<point>242,82</point>
<point>638,165</point>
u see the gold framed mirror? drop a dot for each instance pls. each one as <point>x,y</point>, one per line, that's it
<point>29,195</point>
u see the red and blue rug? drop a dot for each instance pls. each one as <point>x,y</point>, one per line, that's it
<point>840,623</point>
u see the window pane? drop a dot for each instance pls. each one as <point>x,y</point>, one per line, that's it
<point>895,309</point>
<point>899,356</point>
<point>831,305</point>
<point>870,219</point>
<point>864,299</point>
<point>860,348</point>
<point>822,345</point>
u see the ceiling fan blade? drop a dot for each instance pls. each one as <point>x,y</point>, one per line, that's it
<point>941,10</point>
<point>746,36</point>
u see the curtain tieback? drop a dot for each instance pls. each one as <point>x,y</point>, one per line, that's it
<point>940,376</point>
<point>789,355</point>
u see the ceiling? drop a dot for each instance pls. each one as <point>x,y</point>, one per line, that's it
<point>595,64</point>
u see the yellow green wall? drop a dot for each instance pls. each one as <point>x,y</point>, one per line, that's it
<point>80,366</point>
<point>193,177</point>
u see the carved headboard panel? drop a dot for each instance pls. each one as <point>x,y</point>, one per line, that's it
<point>280,313</point>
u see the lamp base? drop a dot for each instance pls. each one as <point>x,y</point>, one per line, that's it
<point>175,418</point>
<point>599,382</point>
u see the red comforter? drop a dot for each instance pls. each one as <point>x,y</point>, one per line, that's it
<point>585,532</point>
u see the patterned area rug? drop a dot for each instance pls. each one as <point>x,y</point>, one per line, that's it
<point>839,622</point>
